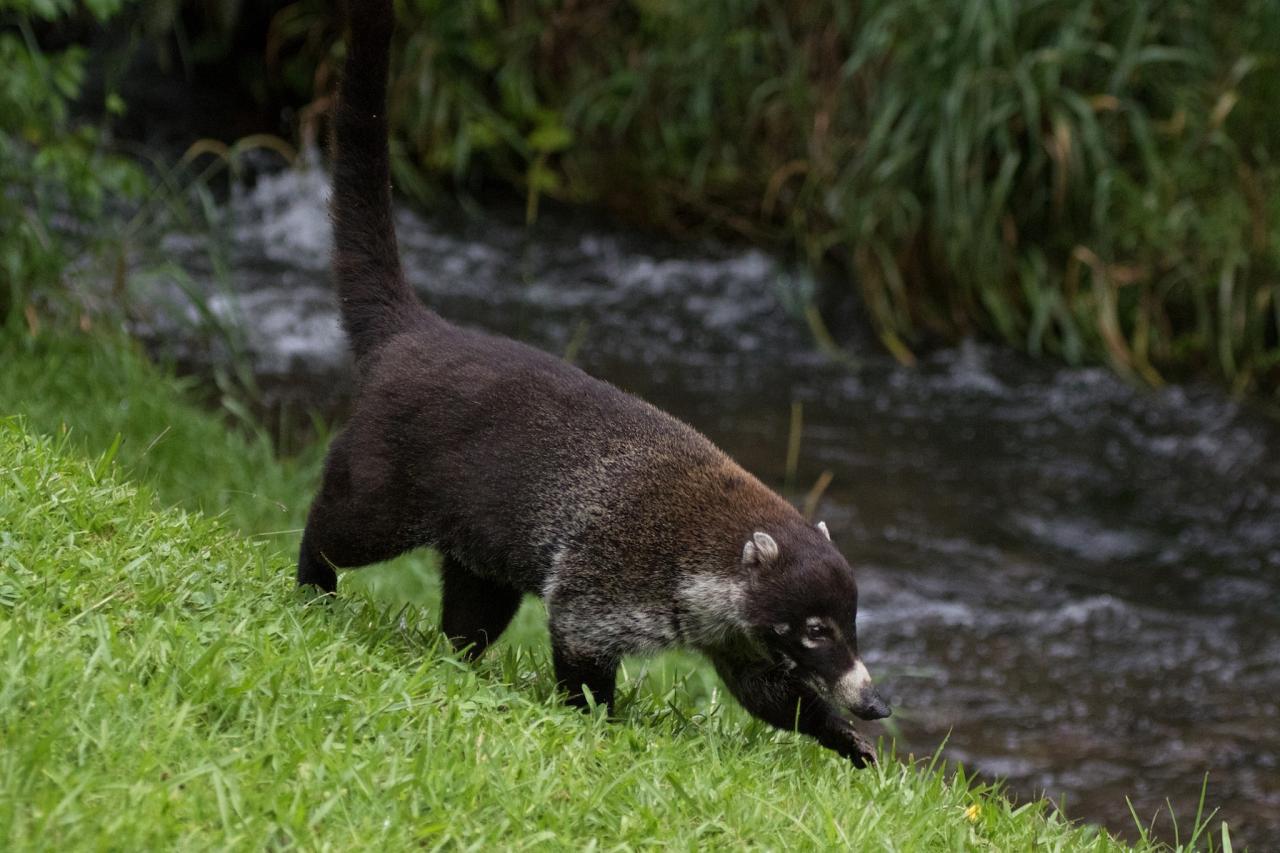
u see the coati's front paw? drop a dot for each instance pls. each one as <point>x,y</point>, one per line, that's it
<point>851,743</point>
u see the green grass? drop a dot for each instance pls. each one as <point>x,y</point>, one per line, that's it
<point>98,388</point>
<point>163,684</point>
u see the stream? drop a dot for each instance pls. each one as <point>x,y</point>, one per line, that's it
<point>1074,582</point>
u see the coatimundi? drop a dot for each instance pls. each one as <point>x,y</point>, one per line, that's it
<point>529,476</point>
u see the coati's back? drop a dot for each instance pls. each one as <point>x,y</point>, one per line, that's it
<point>530,476</point>
<point>524,455</point>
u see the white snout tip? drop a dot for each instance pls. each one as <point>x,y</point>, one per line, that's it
<point>853,684</point>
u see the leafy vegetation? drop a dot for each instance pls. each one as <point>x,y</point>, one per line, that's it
<point>58,176</point>
<point>1092,180</point>
<point>162,683</point>
<point>1096,181</point>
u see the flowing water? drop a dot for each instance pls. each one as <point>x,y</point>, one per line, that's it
<point>1074,582</point>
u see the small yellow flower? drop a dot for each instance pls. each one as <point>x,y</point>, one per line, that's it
<point>971,814</point>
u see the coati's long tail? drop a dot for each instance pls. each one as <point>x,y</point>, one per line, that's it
<point>374,297</point>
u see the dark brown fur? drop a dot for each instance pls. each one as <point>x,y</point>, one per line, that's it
<point>529,476</point>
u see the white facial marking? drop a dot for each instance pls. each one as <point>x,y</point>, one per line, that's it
<point>806,641</point>
<point>849,689</point>
<point>822,526</point>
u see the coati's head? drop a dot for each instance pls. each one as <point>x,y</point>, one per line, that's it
<point>803,606</point>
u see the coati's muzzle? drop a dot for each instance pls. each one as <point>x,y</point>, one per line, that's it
<point>855,692</point>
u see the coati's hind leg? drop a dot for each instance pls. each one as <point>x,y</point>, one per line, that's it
<point>475,610</point>
<point>314,569</point>
<point>346,530</point>
<point>782,700</point>
<point>346,538</point>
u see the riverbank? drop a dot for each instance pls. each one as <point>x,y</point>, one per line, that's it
<point>167,686</point>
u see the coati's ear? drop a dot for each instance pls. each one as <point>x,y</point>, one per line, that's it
<point>759,550</point>
<point>822,526</point>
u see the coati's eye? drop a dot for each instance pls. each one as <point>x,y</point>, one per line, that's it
<point>817,631</point>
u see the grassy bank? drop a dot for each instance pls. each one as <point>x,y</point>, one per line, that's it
<point>163,684</point>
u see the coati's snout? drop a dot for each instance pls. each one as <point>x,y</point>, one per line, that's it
<point>806,606</point>
<point>855,692</point>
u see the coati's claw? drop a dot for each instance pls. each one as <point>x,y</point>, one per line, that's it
<point>866,758</point>
<point>856,747</point>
